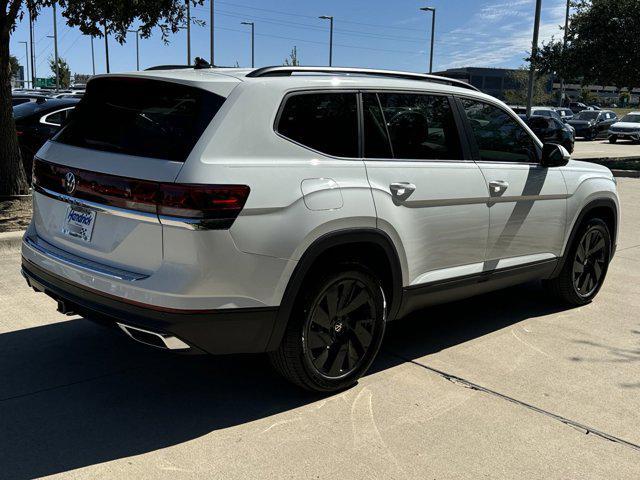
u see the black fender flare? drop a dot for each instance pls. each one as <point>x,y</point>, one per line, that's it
<point>598,203</point>
<point>320,245</point>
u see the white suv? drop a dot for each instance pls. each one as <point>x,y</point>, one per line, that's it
<point>297,210</point>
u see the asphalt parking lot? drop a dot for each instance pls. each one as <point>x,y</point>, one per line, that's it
<point>507,385</point>
<point>603,149</point>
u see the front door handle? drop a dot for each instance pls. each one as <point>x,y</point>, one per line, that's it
<point>497,187</point>
<point>402,190</point>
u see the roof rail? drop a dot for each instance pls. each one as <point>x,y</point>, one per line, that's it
<point>288,71</point>
<point>169,67</point>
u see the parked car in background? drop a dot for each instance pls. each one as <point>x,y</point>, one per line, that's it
<point>565,113</point>
<point>594,107</point>
<point>590,124</point>
<point>18,98</point>
<point>627,128</point>
<point>577,107</point>
<point>37,122</point>
<point>551,130</point>
<point>551,112</point>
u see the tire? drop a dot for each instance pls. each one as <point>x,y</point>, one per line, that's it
<point>582,275</point>
<point>335,330</point>
<point>613,139</point>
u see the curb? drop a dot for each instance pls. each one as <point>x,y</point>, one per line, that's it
<point>10,241</point>
<point>626,173</point>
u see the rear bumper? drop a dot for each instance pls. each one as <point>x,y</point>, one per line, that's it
<point>238,330</point>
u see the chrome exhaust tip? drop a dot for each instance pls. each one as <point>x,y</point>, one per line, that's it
<point>153,339</point>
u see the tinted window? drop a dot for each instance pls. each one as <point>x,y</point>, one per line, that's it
<point>586,115</point>
<point>376,140</point>
<point>327,122</point>
<point>25,109</point>
<point>420,126</point>
<point>57,118</point>
<point>539,123</point>
<point>498,136</point>
<point>147,118</point>
<point>631,118</point>
<point>19,101</point>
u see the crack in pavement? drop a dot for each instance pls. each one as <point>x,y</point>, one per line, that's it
<point>474,386</point>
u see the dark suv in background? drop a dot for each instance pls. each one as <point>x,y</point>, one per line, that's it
<point>590,124</point>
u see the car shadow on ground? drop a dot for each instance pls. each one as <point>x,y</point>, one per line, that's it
<point>73,394</point>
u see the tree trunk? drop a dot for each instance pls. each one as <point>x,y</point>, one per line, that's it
<point>13,180</point>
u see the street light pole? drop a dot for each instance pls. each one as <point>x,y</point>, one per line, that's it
<point>188,33</point>
<point>32,58</point>
<point>137,48</point>
<point>93,57</point>
<point>211,33</point>
<point>106,46</point>
<point>433,32</point>
<point>534,55</point>
<point>26,57</point>
<point>253,38</point>
<point>55,47</point>
<point>564,47</point>
<point>330,18</point>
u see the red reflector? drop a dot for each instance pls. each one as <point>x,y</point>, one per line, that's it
<point>19,133</point>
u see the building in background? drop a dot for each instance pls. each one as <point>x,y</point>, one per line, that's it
<point>17,80</point>
<point>493,81</point>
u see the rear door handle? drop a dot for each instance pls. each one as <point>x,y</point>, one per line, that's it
<point>402,190</point>
<point>497,187</point>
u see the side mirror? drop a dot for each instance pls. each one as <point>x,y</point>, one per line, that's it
<point>554,155</point>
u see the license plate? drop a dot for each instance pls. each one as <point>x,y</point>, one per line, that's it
<point>78,223</point>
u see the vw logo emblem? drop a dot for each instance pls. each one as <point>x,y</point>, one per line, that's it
<point>70,183</point>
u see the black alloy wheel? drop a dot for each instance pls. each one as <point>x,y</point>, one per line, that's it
<point>589,263</point>
<point>335,329</point>
<point>340,328</point>
<point>586,264</point>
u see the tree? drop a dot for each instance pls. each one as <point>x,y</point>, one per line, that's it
<point>517,95</point>
<point>602,45</point>
<point>64,72</point>
<point>14,64</point>
<point>293,60</point>
<point>91,17</point>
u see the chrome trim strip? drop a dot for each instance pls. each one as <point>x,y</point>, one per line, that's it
<point>170,342</point>
<point>194,223</point>
<point>107,210</point>
<point>45,248</point>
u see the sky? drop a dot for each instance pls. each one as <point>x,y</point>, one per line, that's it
<point>391,34</point>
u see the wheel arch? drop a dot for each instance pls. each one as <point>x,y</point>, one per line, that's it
<point>604,208</point>
<point>339,242</point>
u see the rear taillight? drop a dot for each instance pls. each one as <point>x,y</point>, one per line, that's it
<point>208,206</point>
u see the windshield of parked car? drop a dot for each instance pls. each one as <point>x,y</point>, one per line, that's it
<point>587,115</point>
<point>631,118</point>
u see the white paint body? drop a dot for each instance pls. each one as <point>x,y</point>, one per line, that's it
<point>450,227</point>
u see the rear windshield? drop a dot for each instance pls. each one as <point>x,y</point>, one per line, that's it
<point>147,118</point>
<point>26,109</point>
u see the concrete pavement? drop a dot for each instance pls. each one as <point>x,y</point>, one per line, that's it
<point>507,385</point>
<point>603,149</point>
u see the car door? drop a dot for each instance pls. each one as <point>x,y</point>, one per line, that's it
<point>526,201</point>
<point>427,197</point>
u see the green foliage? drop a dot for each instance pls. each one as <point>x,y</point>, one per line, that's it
<point>14,64</point>
<point>625,98</point>
<point>292,60</point>
<point>587,96</point>
<point>64,72</point>
<point>602,44</point>
<point>518,94</point>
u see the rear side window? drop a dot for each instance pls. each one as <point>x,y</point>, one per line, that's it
<point>147,118</point>
<point>326,122</point>
<point>498,136</point>
<point>420,126</point>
